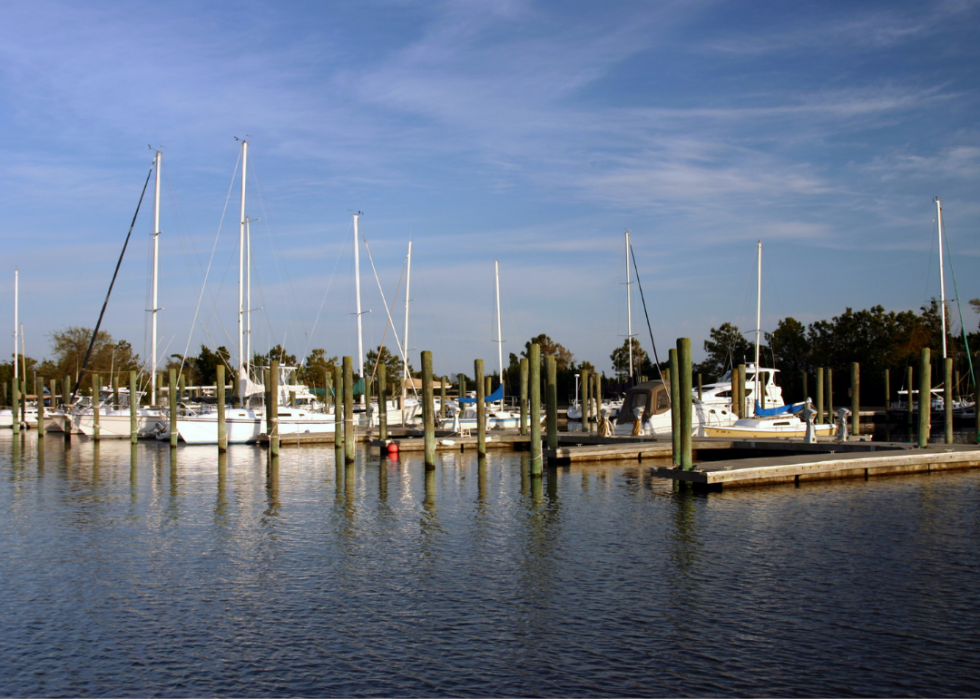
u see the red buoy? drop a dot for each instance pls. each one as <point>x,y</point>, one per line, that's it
<point>393,448</point>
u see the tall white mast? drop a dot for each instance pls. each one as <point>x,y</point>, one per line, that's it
<point>629,306</point>
<point>942,278</point>
<point>248,291</point>
<point>758,322</point>
<point>408,288</point>
<point>154,306</point>
<point>16,322</point>
<point>500,337</point>
<point>242,371</point>
<point>357,285</point>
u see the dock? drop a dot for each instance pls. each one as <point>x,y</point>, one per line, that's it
<point>876,459</point>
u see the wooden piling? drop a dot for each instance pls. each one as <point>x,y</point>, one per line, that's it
<point>675,410</point>
<point>481,408</point>
<point>948,401</point>
<point>534,385</point>
<point>585,400</point>
<point>115,390</point>
<point>909,402</point>
<point>742,411</point>
<point>819,388</point>
<point>830,394</point>
<point>597,380</point>
<point>182,388</point>
<point>524,396</point>
<point>925,396</point>
<point>95,407</point>
<point>292,395</point>
<point>39,392</point>
<point>382,402</point>
<point>222,421</point>
<point>700,394</point>
<point>685,404</point>
<point>803,382</point>
<point>888,405</point>
<point>348,410</point>
<point>172,399</point>
<point>488,386</point>
<point>551,400</point>
<point>736,401</point>
<point>855,398</point>
<point>429,410</point>
<point>272,409</point>
<point>53,390</point>
<point>442,398</point>
<point>66,392</point>
<point>338,412</point>
<point>15,409</point>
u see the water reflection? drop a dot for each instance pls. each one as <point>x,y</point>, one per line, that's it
<point>221,499</point>
<point>272,489</point>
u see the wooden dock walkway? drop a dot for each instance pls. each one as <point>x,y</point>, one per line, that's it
<point>886,458</point>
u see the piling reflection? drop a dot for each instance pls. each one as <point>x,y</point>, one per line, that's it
<point>525,474</point>
<point>481,483</point>
<point>221,500</point>
<point>40,454</point>
<point>683,555</point>
<point>133,473</point>
<point>272,490</point>
<point>96,459</point>
<point>429,528</point>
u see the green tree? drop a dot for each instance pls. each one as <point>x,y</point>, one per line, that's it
<point>277,354</point>
<point>207,363</point>
<point>550,348</point>
<point>727,347</point>
<point>394,368</point>
<point>70,345</point>
<point>621,359</point>
<point>316,367</point>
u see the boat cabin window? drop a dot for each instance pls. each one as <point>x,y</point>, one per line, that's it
<point>638,399</point>
<point>663,402</point>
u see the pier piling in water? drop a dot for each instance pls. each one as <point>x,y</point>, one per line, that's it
<point>95,407</point>
<point>736,401</point>
<point>172,400</point>
<point>803,381</point>
<point>675,412</point>
<point>134,408</point>
<point>551,398</point>
<point>855,398</point>
<point>15,408</point>
<point>428,410</point>
<point>585,400</point>
<point>948,401</point>
<point>685,404</point>
<point>523,365</point>
<point>925,396</point>
<point>338,412</point>
<point>700,393</point>
<point>597,380</point>
<point>39,392</point>
<point>222,420</point>
<point>830,394</point>
<point>909,406</point>
<point>742,412</point>
<point>272,410</point>
<point>66,392</point>
<point>442,398</point>
<point>382,402</point>
<point>348,410</point>
<point>481,408</point>
<point>534,384</point>
<point>819,388</point>
<point>888,405</point>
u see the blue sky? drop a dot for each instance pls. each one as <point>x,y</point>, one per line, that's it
<point>534,133</point>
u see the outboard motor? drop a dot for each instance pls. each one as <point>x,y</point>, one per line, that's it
<point>842,415</point>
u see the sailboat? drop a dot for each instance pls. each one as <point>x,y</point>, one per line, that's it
<point>29,417</point>
<point>498,417</point>
<point>780,421</point>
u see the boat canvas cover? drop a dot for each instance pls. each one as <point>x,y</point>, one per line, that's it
<point>492,398</point>
<point>778,410</point>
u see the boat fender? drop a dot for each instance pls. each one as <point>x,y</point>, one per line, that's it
<point>447,442</point>
<point>393,448</point>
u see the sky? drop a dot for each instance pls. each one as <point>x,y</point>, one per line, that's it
<point>533,133</point>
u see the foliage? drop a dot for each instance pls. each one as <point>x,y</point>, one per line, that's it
<point>725,348</point>
<point>316,367</point>
<point>70,345</point>
<point>394,368</point>
<point>621,359</point>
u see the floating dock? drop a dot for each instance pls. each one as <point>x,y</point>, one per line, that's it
<point>874,459</point>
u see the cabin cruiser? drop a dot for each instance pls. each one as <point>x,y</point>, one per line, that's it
<point>649,404</point>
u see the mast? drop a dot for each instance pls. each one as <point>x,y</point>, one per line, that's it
<point>942,278</point>
<point>242,372</point>
<point>248,289</point>
<point>408,287</point>
<point>23,355</point>
<point>357,285</point>
<point>758,322</point>
<point>154,306</point>
<point>629,307</point>
<point>500,338</point>
<point>16,322</point>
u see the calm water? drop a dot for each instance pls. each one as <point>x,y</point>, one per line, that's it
<point>132,573</point>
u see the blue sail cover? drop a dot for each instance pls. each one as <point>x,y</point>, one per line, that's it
<point>778,410</point>
<point>495,396</point>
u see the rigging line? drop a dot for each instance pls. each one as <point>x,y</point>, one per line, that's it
<point>959,307</point>
<point>95,333</point>
<point>647,315</point>
<point>207,272</point>
<point>391,323</point>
